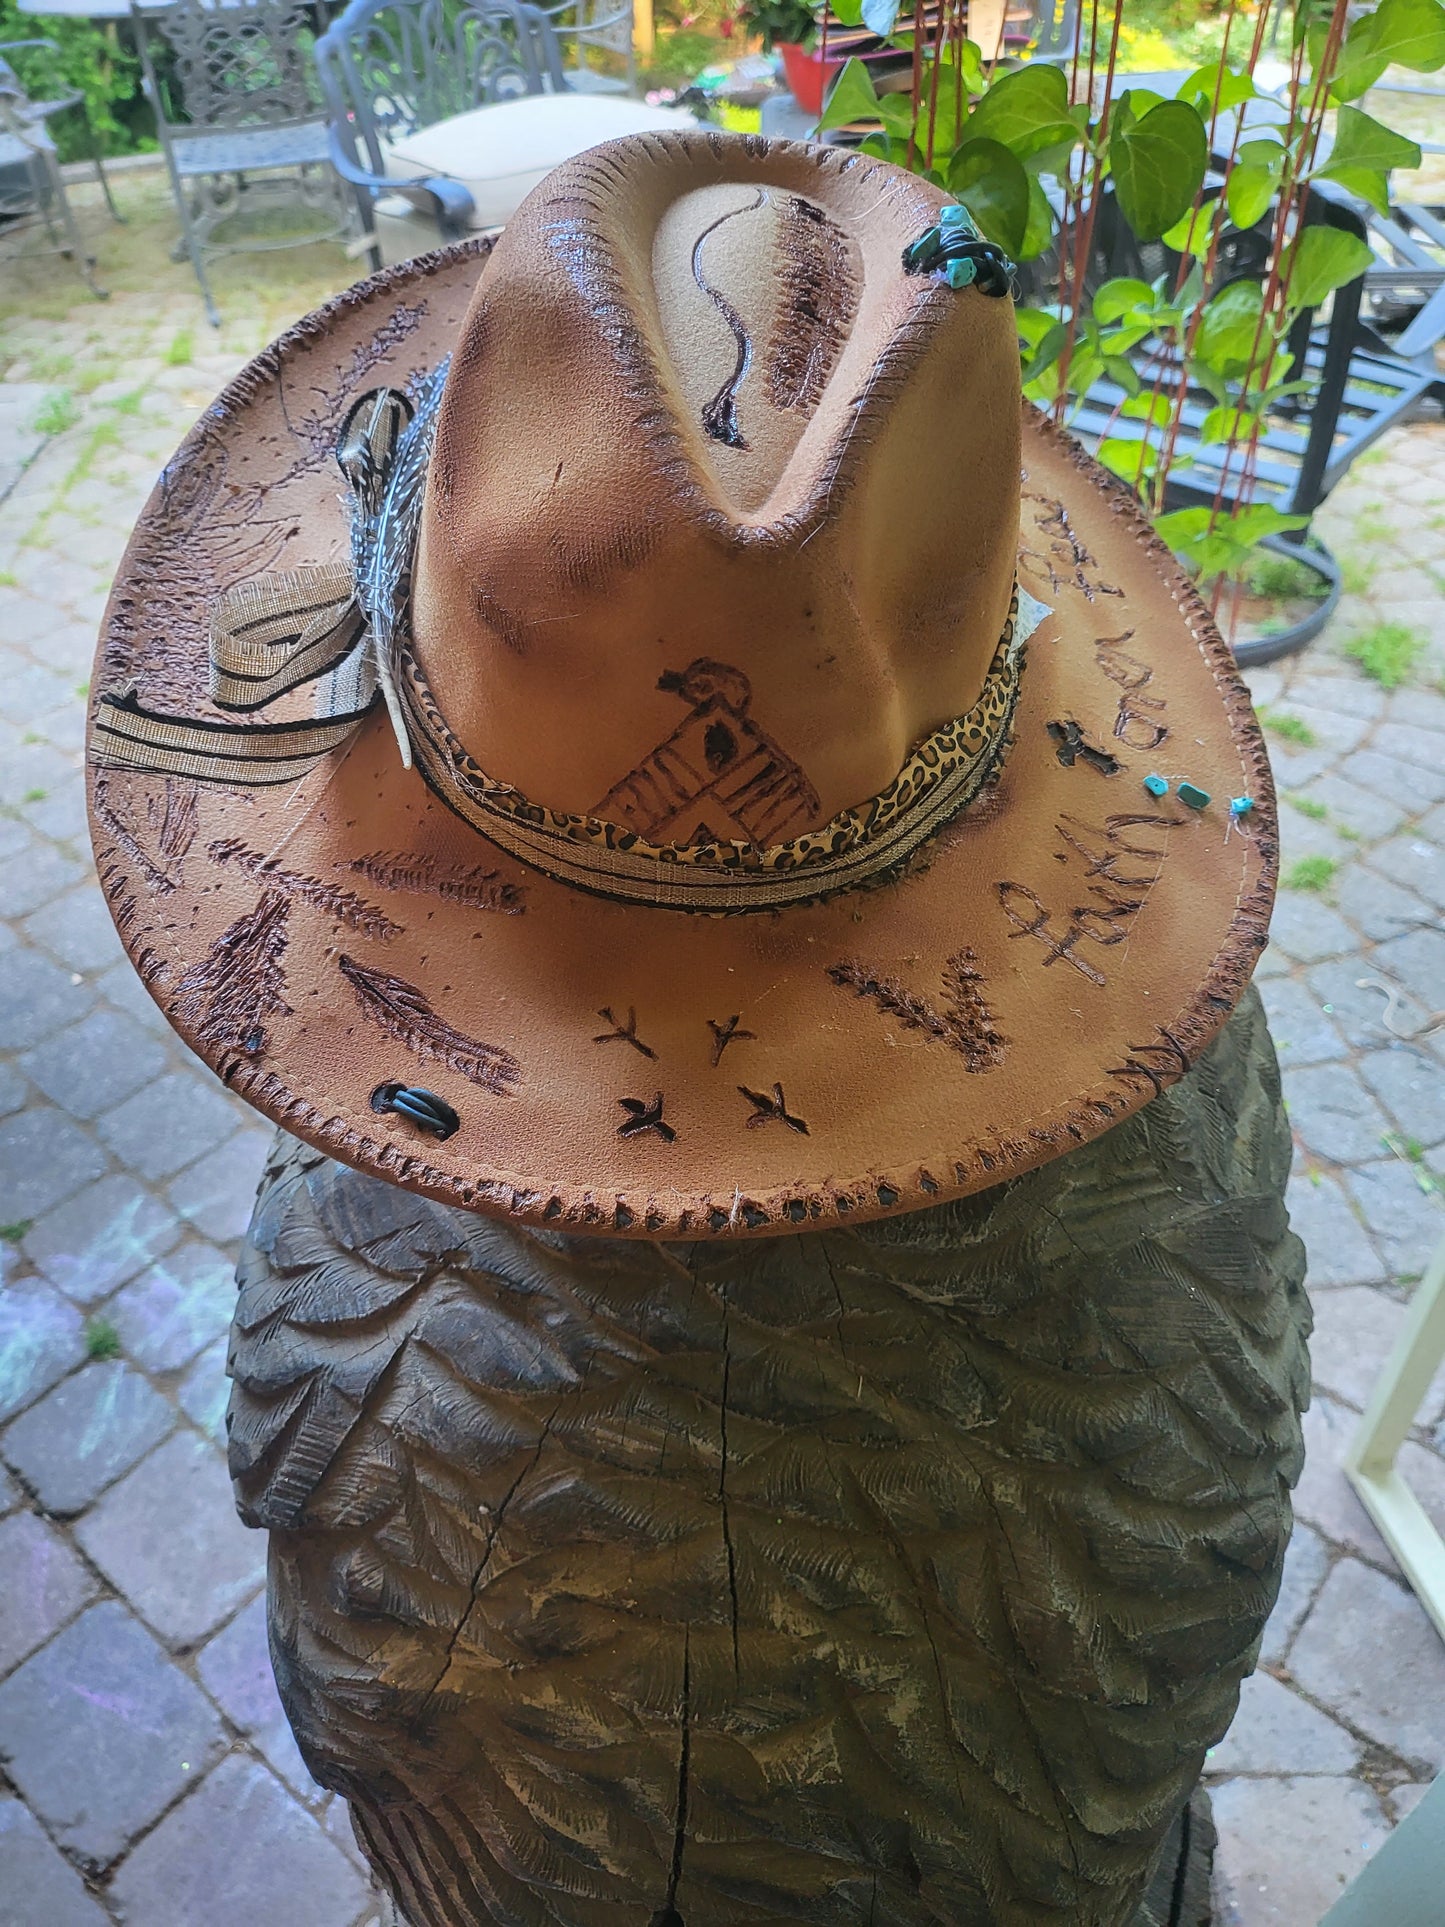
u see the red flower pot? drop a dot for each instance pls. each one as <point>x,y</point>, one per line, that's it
<point>807,75</point>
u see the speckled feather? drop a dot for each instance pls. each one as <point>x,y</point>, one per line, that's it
<point>878,1577</point>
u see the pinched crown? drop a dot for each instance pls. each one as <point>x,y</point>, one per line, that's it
<point>722,514</point>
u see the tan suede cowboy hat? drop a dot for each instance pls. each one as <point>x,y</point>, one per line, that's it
<point>680,782</point>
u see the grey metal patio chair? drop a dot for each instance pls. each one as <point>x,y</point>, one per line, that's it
<point>31,187</point>
<point>603,25</point>
<point>71,101</point>
<point>245,104</point>
<point>32,190</point>
<point>390,67</point>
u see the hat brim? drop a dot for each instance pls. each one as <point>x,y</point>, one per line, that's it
<point>1066,947</point>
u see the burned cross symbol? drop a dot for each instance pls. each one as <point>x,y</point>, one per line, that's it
<point>724,1034</point>
<point>770,1110</point>
<point>1072,746</point>
<point>622,1033</point>
<point>643,1117</point>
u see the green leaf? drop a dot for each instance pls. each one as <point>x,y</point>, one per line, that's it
<point>851,98</point>
<point>1120,296</point>
<point>880,16</point>
<point>1406,33</point>
<point>847,13</point>
<point>896,113</point>
<point>1033,324</point>
<point>1158,164</point>
<point>1132,461</point>
<point>1192,234</point>
<point>1227,424</point>
<point>1119,340</point>
<point>1039,233</point>
<point>1234,89</point>
<point>1026,111</point>
<point>972,58</point>
<point>1156,410</point>
<point>1259,519</point>
<point>951,111</point>
<point>1363,154</point>
<point>1219,545</point>
<point>1320,260</point>
<point>1361,141</point>
<point>1181,525</point>
<point>1409,32</point>
<point>993,186</point>
<point>1140,101</point>
<point>1046,351</point>
<point>1251,188</point>
<point>1229,328</point>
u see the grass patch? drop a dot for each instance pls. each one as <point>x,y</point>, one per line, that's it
<point>102,1340</point>
<point>45,366</point>
<point>1308,806</point>
<point>1370,523</point>
<point>1387,653</point>
<point>56,413</point>
<point>1267,574</point>
<point>11,1234</point>
<point>1357,575</point>
<point>1409,1148</point>
<point>93,374</point>
<point>129,404</point>
<point>33,796</point>
<point>9,579</point>
<point>182,349</point>
<point>1290,729</point>
<point>1310,873</point>
<point>1412,1151</point>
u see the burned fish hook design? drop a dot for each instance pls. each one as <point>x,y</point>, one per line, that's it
<point>720,416</point>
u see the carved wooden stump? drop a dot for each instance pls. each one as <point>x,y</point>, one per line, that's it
<point>893,1576</point>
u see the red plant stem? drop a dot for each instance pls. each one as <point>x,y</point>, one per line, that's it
<point>959,37</point>
<point>1073,210</point>
<point>1294,191</point>
<point>1294,188</point>
<point>916,91</point>
<point>933,93</point>
<point>1095,192</point>
<point>1211,259</point>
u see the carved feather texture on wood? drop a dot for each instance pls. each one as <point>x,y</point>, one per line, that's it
<point>936,1549</point>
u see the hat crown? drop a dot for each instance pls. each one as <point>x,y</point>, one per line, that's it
<point>723,510</point>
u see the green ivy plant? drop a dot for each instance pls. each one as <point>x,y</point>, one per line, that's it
<point>1030,151</point>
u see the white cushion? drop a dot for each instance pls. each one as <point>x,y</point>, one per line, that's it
<point>500,153</point>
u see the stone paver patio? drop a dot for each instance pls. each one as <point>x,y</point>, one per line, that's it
<point>149,1777</point>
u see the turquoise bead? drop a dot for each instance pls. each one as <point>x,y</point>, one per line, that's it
<point>1156,786</point>
<point>917,255</point>
<point>958,274</point>
<point>1191,794</point>
<point>1240,805</point>
<point>953,219</point>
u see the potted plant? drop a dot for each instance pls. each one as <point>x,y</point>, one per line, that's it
<point>790,28</point>
<point>1173,256</point>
